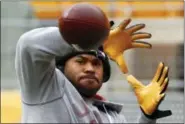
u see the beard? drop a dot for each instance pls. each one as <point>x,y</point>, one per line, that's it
<point>85,92</point>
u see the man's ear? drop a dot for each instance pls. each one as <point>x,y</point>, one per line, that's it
<point>100,48</point>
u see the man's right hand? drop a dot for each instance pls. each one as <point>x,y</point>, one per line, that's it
<point>121,39</point>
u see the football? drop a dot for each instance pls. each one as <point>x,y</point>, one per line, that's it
<point>84,24</point>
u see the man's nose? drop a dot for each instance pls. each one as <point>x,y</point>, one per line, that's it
<point>89,68</point>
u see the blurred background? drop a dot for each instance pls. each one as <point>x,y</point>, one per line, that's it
<point>164,20</point>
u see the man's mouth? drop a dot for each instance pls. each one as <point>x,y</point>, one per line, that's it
<point>89,77</point>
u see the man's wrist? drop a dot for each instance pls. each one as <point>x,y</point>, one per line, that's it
<point>148,116</point>
<point>157,114</point>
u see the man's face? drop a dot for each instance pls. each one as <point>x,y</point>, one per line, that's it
<point>85,72</point>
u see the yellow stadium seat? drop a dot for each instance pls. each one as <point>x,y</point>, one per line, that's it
<point>10,107</point>
<point>158,9</point>
<point>46,10</point>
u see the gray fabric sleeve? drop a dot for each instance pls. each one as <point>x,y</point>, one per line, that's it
<point>144,119</point>
<point>122,119</point>
<point>35,64</point>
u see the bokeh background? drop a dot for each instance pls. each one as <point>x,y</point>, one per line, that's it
<point>164,20</point>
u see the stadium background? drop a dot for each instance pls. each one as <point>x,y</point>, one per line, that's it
<point>163,19</point>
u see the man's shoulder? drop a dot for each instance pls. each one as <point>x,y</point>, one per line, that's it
<point>42,31</point>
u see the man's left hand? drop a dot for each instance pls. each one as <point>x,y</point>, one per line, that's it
<point>150,96</point>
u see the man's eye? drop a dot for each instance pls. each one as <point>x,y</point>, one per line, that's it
<point>80,61</point>
<point>97,63</point>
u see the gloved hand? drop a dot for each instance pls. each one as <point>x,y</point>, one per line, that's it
<point>121,39</point>
<point>150,96</point>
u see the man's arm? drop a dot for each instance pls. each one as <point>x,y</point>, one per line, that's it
<point>35,64</point>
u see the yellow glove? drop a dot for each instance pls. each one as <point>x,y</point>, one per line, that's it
<point>121,39</point>
<point>150,96</point>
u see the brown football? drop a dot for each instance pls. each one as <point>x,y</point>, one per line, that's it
<point>84,24</point>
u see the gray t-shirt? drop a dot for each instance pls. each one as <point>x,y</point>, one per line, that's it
<point>47,95</point>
